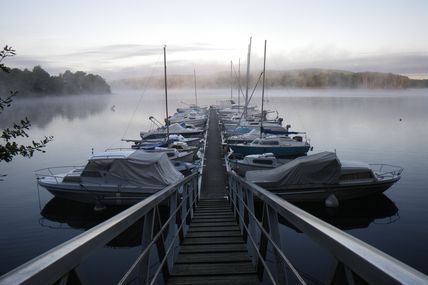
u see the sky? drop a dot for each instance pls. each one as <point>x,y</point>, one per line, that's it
<point>120,39</point>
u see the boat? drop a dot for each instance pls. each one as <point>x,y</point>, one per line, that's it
<point>184,147</point>
<point>173,153</point>
<point>162,141</point>
<point>283,146</point>
<point>185,168</point>
<point>315,178</point>
<point>253,162</point>
<point>191,118</point>
<point>175,129</point>
<point>112,178</point>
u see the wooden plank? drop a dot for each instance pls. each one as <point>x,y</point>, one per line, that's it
<point>212,257</point>
<point>213,220</point>
<point>205,200</point>
<point>213,248</point>
<point>223,205</point>
<point>214,211</point>
<point>212,240</point>
<point>211,216</point>
<point>247,279</point>
<point>198,269</point>
<point>213,229</point>
<point>218,211</point>
<point>236,233</point>
<point>214,224</point>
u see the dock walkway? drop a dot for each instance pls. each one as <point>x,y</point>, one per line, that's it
<point>213,250</point>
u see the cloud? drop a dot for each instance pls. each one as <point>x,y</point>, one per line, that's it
<point>400,63</point>
<point>136,60</point>
<point>119,51</point>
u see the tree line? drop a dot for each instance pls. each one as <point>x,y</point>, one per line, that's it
<point>39,82</point>
<point>305,78</point>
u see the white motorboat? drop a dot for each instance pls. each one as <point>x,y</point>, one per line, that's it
<point>174,154</point>
<point>184,147</point>
<point>192,117</point>
<point>112,178</point>
<point>253,162</point>
<point>280,146</point>
<point>175,129</point>
<point>316,177</point>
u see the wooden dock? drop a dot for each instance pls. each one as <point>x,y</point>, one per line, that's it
<point>213,250</point>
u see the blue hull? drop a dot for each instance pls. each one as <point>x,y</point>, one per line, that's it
<point>277,151</point>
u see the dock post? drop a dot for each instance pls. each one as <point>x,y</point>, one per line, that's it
<point>145,241</point>
<point>276,238</point>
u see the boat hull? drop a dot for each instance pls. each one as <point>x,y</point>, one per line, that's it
<point>106,195</point>
<point>277,151</point>
<point>189,156</point>
<point>319,193</point>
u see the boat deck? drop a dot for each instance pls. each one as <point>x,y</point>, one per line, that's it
<point>213,250</point>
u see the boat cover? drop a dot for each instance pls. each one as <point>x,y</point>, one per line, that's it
<point>176,127</point>
<point>148,169</point>
<point>320,168</point>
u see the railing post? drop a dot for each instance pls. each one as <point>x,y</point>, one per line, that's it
<point>188,204</point>
<point>172,226</point>
<point>276,238</point>
<point>263,243</point>
<point>197,190</point>
<point>178,217</point>
<point>191,195</point>
<point>241,208</point>
<point>251,226</point>
<point>160,244</point>
<point>233,196</point>
<point>145,240</point>
<point>183,215</point>
<point>245,209</point>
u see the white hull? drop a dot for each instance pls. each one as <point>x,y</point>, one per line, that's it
<point>105,194</point>
<point>319,193</point>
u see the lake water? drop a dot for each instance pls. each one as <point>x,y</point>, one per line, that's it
<point>358,125</point>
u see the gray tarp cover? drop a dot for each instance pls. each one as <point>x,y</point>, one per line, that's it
<point>320,168</point>
<point>147,169</point>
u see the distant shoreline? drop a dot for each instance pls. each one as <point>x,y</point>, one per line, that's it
<point>296,79</point>
<point>38,82</point>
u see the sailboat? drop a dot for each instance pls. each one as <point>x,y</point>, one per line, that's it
<point>177,128</point>
<point>282,146</point>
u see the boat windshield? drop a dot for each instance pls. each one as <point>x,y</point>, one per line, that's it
<point>99,165</point>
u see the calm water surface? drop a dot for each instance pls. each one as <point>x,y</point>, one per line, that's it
<point>358,125</point>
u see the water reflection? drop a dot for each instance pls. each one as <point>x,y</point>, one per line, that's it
<point>41,111</point>
<point>353,214</point>
<point>62,214</point>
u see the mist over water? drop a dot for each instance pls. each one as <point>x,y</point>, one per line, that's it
<point>359,125</point>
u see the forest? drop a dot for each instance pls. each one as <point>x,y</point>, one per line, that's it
<point>38,82</point>
<point>304,78</point>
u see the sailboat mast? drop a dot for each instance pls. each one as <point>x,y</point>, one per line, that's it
<point>231,80</point>
<point>248,79</point>
<point>263,90</point>
<point>239,84</point>
<point>166,94</point>
<point>196,94</point>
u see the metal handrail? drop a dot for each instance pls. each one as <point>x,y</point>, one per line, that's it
<point>275,245</point>
<point>390,171</point>
<point>253,241</point>
<point>58,262</point>
<point>358,257</point>
<point>39,172</point>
